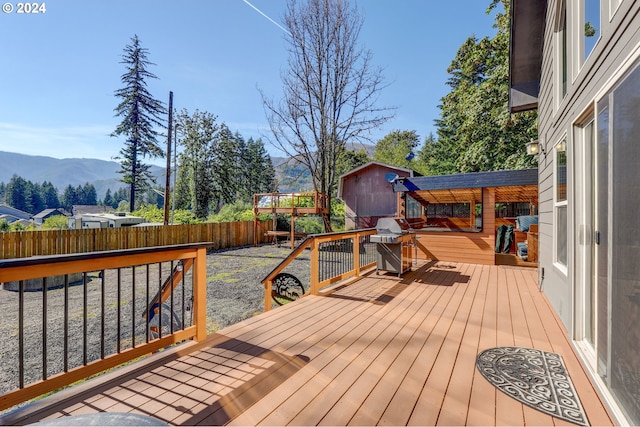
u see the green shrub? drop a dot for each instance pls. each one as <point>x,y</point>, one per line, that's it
<point>309,225</point>
<point>231,212</point>
<point>57,222</point>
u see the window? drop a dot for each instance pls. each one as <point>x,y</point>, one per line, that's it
<point>561,51</point>
<point>444,210</point>
<point>590,26</point>
<point>514,209</point>
<point>455,216</point>
<point>413,208</point>
<point>560,205</point>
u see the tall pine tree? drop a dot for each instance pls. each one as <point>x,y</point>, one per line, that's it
<point>140,113</point>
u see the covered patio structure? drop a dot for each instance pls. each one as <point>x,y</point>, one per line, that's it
<point>456,217</point>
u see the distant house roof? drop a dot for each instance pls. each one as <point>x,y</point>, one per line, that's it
<point>8,218</point>
<point>23,222</point>
<point>17,213</point>
<point>407,172</point>
<point>47,212</point>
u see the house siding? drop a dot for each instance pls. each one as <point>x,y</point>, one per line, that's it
<point>618,39</point>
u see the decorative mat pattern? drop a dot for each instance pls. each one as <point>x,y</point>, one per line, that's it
<point>536,378</point>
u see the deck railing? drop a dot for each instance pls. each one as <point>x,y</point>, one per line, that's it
<point>77,315</point>
<point>334,257</point>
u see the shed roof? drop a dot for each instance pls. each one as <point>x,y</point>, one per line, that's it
<point>408,172</point>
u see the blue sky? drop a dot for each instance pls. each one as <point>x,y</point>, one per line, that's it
<point>59,69</point>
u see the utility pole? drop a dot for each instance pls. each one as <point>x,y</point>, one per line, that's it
<point>167,187</point>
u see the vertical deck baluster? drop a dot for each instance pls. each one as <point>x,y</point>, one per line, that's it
<point>337,258</point>
<point>193,289</point>
<point>65,338</point>
<point>44,328</point>
<point>146,315</point>
<point>334,255</point>
<point>340,256</point>
<point>171,284</point>
<point>102,320</point>
<point>21,334</point>
<point>159,300</point>
<point>85,344</point>
<point>133,306</point>
<point>184,287</point>
<point>322,261</point>
<point>118,323</point>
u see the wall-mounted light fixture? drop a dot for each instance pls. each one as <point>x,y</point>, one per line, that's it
<point>534,147</point>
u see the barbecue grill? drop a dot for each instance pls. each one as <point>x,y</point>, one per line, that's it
<point>394,242</point>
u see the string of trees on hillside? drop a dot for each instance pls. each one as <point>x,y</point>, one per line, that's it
<point>35,197</point>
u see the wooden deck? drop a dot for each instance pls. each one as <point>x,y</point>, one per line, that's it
<point>383,350</point>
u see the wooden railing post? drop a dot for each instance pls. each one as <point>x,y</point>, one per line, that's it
<point>200,294</point>
<point>267,294</point>
<point>315,258</point>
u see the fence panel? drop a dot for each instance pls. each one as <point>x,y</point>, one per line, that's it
<point>22,244</point>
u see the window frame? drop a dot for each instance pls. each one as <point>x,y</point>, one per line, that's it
<point>560,204</point>
<point>562,56</point>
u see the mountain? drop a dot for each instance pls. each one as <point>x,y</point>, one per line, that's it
<point>291,175</point>
<point>64,172</point>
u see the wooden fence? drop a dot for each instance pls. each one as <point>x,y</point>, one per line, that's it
<point>22,244</point>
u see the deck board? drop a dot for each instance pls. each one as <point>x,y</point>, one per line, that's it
<point>382,351</point>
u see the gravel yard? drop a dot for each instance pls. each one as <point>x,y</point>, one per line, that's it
<point>234,293</point>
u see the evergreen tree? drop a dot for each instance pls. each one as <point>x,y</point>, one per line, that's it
<point>140,112</point>
<point>36,197</point>
<point>350,159</point>
<point>108,199</point>
<point>88,194</point>
<point>119,196</point>
<point>197,166</point>
<point>50,195</point>
<point>225,170</point>
<point>69,197</point>
<point>259,170</point>
<point>17,194</point>
<point>397,149</point>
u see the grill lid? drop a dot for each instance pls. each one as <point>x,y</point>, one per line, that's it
<point>393,226</point>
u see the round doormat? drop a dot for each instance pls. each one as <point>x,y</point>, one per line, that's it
<point>536,378</point>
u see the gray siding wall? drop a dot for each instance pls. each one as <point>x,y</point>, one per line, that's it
<point>619,36</point>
